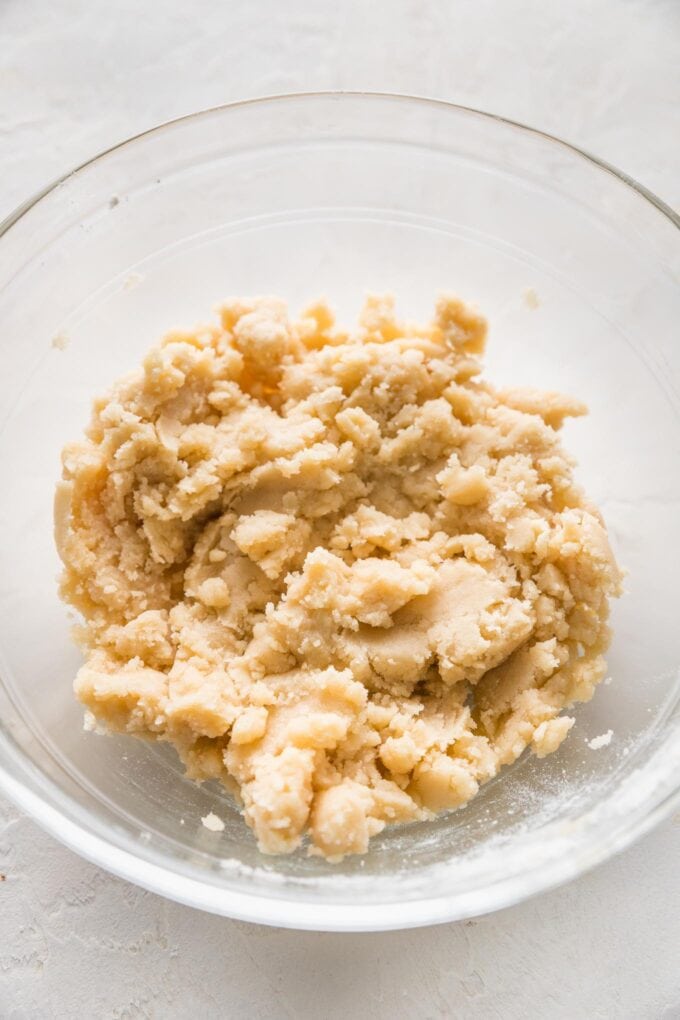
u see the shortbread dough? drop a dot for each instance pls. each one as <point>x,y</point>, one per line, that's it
<point>338,571</point>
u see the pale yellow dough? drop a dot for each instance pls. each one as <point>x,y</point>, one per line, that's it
<point>339,572</point>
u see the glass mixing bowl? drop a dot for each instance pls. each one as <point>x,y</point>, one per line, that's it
<point>578,270</point>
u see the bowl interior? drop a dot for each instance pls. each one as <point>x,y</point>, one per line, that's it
<point>333,195</point>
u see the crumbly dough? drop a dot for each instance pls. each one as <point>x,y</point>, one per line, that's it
<point>338,571</point>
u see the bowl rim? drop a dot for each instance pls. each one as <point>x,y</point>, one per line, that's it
<point>277,97</point>
<point>286,912</point>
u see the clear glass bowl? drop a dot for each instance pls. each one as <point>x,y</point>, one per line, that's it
<point>331,194</point>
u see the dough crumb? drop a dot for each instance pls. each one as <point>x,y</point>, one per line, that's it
<point>132,280</point>
<point>604,740</point>
<point>531,299</point>
<point>60,341</point>
<point>337,570</point>
<point>213,823</point>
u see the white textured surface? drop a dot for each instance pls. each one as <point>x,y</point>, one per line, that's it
<point>79,75</point>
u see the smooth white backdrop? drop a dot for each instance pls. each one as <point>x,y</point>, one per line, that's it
<point>79,75</point>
